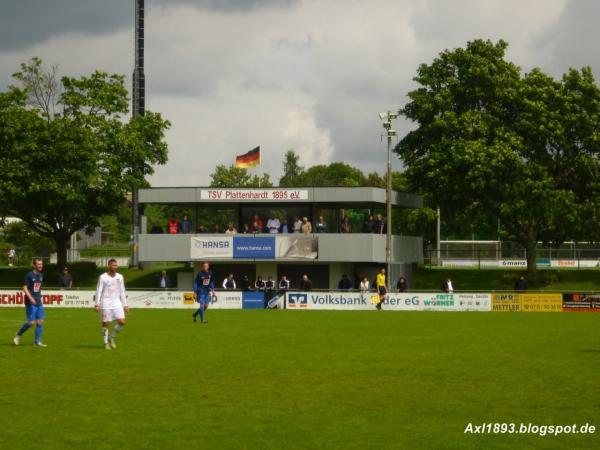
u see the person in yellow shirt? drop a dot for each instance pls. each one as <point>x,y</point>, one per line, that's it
<point>381,287</point>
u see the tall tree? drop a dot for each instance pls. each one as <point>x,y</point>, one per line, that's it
<point>292,171</point>
<point>67,153</point>
<point>232,176</point>
<point>334,174</point>
<point>491,141</point>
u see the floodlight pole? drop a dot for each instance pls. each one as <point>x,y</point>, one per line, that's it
<point>138,108</point>
<point>387,118</point>
<point>388,246</point>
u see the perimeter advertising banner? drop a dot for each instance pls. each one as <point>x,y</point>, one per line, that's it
<point>285,247</point>
<point>135,299</point>
<point>344,300</point>
<point>527,302</point>
<point>582,302</point>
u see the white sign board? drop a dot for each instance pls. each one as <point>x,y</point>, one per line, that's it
<point>211,247</point>
<point>254,195</point>
<point>341,300</point>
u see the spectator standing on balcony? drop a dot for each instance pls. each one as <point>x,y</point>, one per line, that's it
<point>306,226</point>
<point>521,284</point>
<point>164,282</point>
<point>369,225</point>
<point>297,225</point>
<point>346,226</point>
<point>186,225</point>
<point>156,229</point>
<point>402,285</point>
<point>200,229</point>
<point>273,224</point>
<point>379,227</point>
<point>257,224</point>
<point>229,282</point>
<point>305,284</point>
<point>259,284</point>
<point>217,229</point>
<point>65,280</point>
<point>245,229</point>
<point>284,226</point>
<point>321,226</point>
<point>230,229</point>
<point>172,226</point>
<point>345,284</point>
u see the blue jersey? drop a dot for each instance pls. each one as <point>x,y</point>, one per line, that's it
<point>33,281</point>
<point>204,283</point>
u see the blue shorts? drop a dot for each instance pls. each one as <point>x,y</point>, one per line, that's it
<point>204,298</point>
<point>34,312</point>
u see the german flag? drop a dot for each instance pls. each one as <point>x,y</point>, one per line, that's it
<point>249,159</point>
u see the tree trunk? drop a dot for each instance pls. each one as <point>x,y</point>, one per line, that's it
<point>531,254</point>
<point>62,243</point>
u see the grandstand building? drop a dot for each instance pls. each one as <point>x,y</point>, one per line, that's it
<point>324,256</point>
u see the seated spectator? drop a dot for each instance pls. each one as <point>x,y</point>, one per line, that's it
<point>173,226</point>
<point>364,285</point>
<point>200,229</point>
<point>521,284</point>
<point>379,227</point>
<point>163,280</point>
<point>369,225</point>
<point>245,283</point>
<point>305,284</point>
<point>229,282</point>
<point>284,283</point>
<point>65,281</point>
<point>259,284</point>
<point>402,285</point>
<point>284,227</point>
<point>306,226</point>
<point>186,225</point>
<point>273,224</point>
<point>321,226</point>
<point>230,229</point>
<point>156,229</point>
<point>297,225</point>
<point>346,226</point>
<point>345,284</point>
<point>257,225</point>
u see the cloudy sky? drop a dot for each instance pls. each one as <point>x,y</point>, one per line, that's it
<point>308,75</point>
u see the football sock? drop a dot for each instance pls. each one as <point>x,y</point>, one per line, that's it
<point>201,311</point>
<point>38,333</point>
<point>105,335</point>
<point>23,329</point>
<point>116,330</point>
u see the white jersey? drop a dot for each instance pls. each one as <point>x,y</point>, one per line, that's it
<point>110,292</point>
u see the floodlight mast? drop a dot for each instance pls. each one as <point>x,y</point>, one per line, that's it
<point>138,108</point>
<point>387,117</point>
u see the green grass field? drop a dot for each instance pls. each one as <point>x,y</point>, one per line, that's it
<point>288,379</point>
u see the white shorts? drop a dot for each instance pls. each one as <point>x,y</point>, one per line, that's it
<point>108,315</point>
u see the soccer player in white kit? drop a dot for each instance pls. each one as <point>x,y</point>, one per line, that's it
<point>111,302</point>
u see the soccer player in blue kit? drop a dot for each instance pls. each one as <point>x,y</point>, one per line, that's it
<point>34,308</point>
<point>204,287</point>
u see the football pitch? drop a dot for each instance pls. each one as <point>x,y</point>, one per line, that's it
<point>299,379</point>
